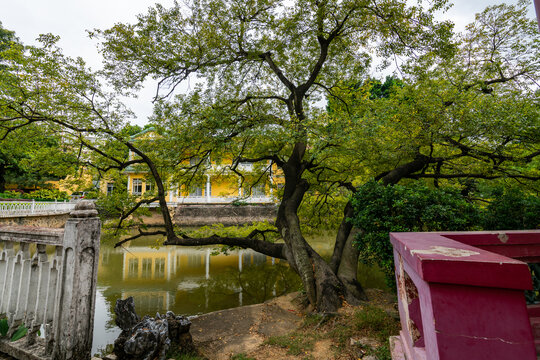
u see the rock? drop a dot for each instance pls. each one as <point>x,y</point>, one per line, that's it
<point>126,317</point>
<point>179,332</point>
<point>151,338</point>
<point>178,325</point>
<point>364,342</point>
<point>370,357</point>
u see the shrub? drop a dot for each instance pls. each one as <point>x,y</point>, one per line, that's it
<point>382,209</point>
<point>512,210</point>
<point>41,194</point>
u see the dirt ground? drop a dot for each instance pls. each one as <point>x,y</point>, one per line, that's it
<point>246,330</point>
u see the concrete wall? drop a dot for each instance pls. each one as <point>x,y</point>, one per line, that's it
<point>199,215</point>
<point>52,220</point>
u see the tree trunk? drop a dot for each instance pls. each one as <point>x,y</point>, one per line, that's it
<point>344,261</point>
<point>348,270</point>
<point>324,289</point>
<point>2,178</point>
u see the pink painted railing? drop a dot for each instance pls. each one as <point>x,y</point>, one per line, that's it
<point>461,295</point>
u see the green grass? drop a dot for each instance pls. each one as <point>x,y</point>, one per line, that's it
<point>376,323</point>
<point>341,335</point>
<point>312,319</point>
<point>382,352</point>
<point>241,357</point>
<point>369,321</point>
<point>296,343</point>
<point>178,354</point>
<point>186,357</point>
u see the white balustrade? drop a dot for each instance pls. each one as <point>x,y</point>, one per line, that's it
<point>21,208</point>
<point>53,289</point>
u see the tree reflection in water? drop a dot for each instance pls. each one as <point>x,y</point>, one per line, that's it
<point>254,284</point>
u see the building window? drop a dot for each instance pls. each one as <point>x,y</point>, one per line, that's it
<point>195,191</point>
<point>247,166</point>
<point>258,191</point>
<point>254,191</point>
<point>149,186</point>
<point>110,188</point>
<point>137,187</point>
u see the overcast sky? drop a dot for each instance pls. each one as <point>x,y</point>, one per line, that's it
<point>71,18</point>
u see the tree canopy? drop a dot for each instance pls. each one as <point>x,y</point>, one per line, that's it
<point>464,107</point>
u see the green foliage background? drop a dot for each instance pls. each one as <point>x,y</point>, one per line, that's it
<point>382,209</point>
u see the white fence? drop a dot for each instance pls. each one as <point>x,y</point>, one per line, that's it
<point>216,200</point>
<point>54,289</point>
<point>32,207</point>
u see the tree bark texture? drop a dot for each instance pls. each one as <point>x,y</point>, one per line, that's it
<point>323,287</point>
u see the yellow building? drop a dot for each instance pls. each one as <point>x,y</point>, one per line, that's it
<point>215,186</point>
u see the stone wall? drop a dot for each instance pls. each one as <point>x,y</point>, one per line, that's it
<point>200,215</point>
<point>51,291</point>
<point>52,220</point>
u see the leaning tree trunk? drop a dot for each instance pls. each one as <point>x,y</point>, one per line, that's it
<point>344,261</point>
<point>324,289</point>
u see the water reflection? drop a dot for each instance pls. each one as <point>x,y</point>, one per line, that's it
<point>189,280</point>
<point>172,278</point>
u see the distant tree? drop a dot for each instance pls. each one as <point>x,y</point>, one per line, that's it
<point>32,155</point>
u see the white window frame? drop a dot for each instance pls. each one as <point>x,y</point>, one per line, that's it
<point>137,187</point>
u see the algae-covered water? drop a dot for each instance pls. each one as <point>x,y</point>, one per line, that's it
<point>193,280</point>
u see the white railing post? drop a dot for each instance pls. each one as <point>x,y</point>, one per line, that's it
<point>74,309</point>
<point>33,206</point>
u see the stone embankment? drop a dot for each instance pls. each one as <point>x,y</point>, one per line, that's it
<point>200,215</point>
<point>208,214</point>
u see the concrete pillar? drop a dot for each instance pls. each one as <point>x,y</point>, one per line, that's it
<point>74,309</point>
<point>207,190</point>
<point>239,188</point>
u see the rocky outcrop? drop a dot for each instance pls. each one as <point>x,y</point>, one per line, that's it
<point>149,338</point>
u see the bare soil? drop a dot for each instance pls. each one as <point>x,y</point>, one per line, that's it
<point>281,329</point>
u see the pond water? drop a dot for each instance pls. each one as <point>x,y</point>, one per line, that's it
<point>190,281</point>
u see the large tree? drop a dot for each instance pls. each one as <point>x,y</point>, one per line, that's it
<point>265,66</point>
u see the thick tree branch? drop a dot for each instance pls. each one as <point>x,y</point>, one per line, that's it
<point>249,242</point>
<point>140,234</point>
<point>267,57</point>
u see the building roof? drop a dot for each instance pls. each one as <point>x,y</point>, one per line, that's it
<point>147,130</point>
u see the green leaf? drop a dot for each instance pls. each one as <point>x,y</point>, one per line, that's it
<point>4,327</point>
<point>20,333</point>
